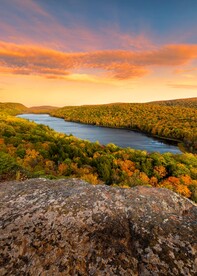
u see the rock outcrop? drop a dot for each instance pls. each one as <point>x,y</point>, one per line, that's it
<point>69,227</point>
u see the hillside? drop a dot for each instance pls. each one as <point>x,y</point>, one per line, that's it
<point>12,108</point>
<point>29,150</point>
<point>169,122</point>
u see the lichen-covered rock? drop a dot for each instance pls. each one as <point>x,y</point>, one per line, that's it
<point>68,227</point>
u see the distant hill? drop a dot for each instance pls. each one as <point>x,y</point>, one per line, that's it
<point>17,108</point>
<point>190,102</point>
<point>12,108</point>
<point>41,109</point>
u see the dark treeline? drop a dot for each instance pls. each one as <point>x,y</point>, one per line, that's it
<point>190,102</point>
<point>158,119</point>
<point>30,150</point>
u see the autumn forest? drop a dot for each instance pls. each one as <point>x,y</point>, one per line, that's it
<point>30,150</point>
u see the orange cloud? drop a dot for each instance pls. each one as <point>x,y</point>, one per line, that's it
<point>186,72</point>
<point>117,64</point>
<point>184,86</point>
<point>180,71</point>
<point>125,71</point>
<point>169,55</point>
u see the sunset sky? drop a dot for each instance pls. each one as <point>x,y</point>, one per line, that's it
<point>74,52</point>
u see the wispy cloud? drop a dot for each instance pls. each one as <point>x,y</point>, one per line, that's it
<point>117,64</point>
<point>184,86</point>
<point>180,71</point>
<point>190,73</point>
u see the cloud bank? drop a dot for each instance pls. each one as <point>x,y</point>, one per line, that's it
<point>115,64</point>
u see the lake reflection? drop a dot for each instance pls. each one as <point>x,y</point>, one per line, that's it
<point>121,137</point>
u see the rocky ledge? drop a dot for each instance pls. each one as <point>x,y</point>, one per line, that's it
<point>69,227</point>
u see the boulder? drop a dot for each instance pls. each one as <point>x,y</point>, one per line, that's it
<point>69,227</point>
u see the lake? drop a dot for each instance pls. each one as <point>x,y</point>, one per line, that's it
<point>121,137</point>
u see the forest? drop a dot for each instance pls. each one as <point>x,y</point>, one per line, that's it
<point>29,150</point>
<point>173,120</point>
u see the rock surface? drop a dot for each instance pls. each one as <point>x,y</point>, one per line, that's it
<point>69,227</point>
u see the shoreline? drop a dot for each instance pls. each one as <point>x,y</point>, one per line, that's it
<point>173,141</point>
<point>165,140</point>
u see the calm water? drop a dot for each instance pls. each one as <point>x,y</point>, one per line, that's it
<point>121,137</point>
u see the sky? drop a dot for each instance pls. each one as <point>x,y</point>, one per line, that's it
<point>76,52</point>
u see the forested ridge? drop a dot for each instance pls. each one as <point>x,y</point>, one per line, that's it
<point>190,102</point>
<point>176,122</point>
<point>12,109</point>
<point>29,150</point>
